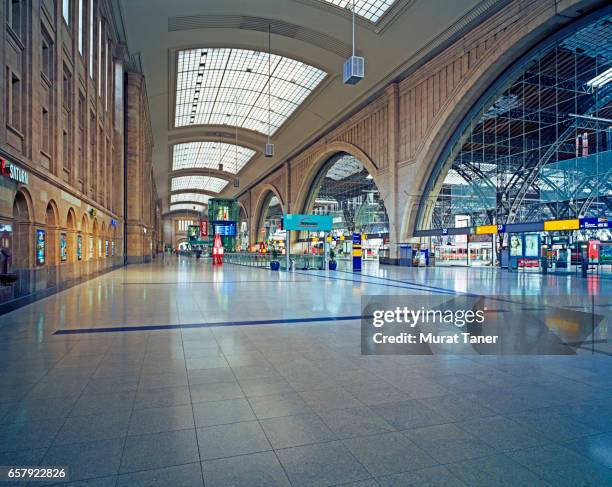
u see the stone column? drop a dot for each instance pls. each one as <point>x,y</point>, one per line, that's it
<point>391,180</point>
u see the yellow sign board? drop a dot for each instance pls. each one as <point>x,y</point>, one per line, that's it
<point>557,225</point>
<point>486,229</point>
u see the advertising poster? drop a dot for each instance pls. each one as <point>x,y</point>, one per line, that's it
<point>91,248</point>
<point>113,248</point>
<point>79,247</point>
<point>40,247</point>
<point>106,248</point>
<point>593,250</point>
<point>532,245</point>
<point>63,248</point>
<point>516,245</point>
<point>605,254</point>
<point>100,248</point>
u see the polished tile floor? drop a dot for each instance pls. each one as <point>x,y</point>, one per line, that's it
<point>286,398</point>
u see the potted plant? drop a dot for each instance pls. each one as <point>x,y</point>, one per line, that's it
<point>332,260</point>
<point>274,263</point>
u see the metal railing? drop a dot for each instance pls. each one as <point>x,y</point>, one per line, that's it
<point>297,261</point>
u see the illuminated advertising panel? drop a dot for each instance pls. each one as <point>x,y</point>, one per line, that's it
<point>63,248</point>
<point>40,247</point>
<point>516,245</point>
<point>79,247</point>
<point>532,245</point>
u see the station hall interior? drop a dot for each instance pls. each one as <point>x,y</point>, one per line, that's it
<point>206,206</point>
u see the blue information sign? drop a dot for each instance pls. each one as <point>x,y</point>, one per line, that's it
<point>594,223</point>
<point>307,222</point>
<point>224,228</point>
<point>357,252</point>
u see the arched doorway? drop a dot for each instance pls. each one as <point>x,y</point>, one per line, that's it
<point>83,240</point>
<point>346,190</point>
<point>21,241</point>
<point>93,241</point>
<point>270,220</point>
<point>242,240</point>
<point>68,253</point>
<point>51,224</point>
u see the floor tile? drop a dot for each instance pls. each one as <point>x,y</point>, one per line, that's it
<point>231,439</point>
<point>254,470</point>
<point>222,412</point>
<point>164,397</point>
<point>320,465</point>
<point>87,460</point>
<point>156,420</point>
<point>216,391</point>
<point>78,429</point>
<point>276,405</point>
<point>497,470</point>
<point>430,477</point>
<point>28,435</point>
<point>361,421</point>
<point>408,414</point>
<point>159,450</point>
<point>388,454</point>
<point>189,475</point>
<point>301,429</point>
<point>448,443</point>
<point>502,433</point>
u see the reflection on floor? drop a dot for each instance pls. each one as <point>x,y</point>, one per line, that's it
<point>292,402</point>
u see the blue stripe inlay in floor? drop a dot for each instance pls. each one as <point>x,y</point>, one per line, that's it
<point>180,326</point>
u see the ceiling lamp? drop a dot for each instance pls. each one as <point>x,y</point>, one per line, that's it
<point>269,148</point>
<point>354,66</point>
<point>236,180</point>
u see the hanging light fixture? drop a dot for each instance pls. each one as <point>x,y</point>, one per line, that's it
<point>220,155</point>
<point>354,67</point>
<point>236,180</point>
<point>269,148</point>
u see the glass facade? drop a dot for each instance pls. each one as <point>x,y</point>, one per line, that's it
<point>540,148</point>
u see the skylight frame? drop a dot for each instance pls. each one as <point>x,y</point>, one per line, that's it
<point>207,155</point>
<point>197,182</point>
<point>371,10</point>
<point>233,87</point>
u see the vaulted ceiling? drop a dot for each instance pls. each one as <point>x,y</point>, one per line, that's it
<point>207,73</point>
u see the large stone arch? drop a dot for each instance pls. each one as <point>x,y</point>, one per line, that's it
<point>257,214</point>
<point>497,61</point>
<point>23,218</point>
<point>71,234</point>
<point>321,159</point>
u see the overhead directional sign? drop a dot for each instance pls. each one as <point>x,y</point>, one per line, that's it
<point>594,223</point>
<point>307,222</point>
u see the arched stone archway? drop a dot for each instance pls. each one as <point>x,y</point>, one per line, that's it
<point>267,192</point>
<point>52,257</point>
<point>271,209</point>
<point>71,236</point>
<point>323,156</point>
<point>22,256</point>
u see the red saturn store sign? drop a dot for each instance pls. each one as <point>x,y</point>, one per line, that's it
<point>11,171</point>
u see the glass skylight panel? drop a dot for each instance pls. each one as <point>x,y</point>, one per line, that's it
<point>209,154</point>
<point>198,208</point>
<point>206,183</point>
<point>371,10</point>
<point>195,197</point>
<point>221,86</point>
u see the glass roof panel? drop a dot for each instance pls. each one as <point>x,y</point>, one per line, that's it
<point>197,197</point>
<point>371,10</point>
<point>221,86</point>
<point>209,155</point>
<point>207,183</point>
